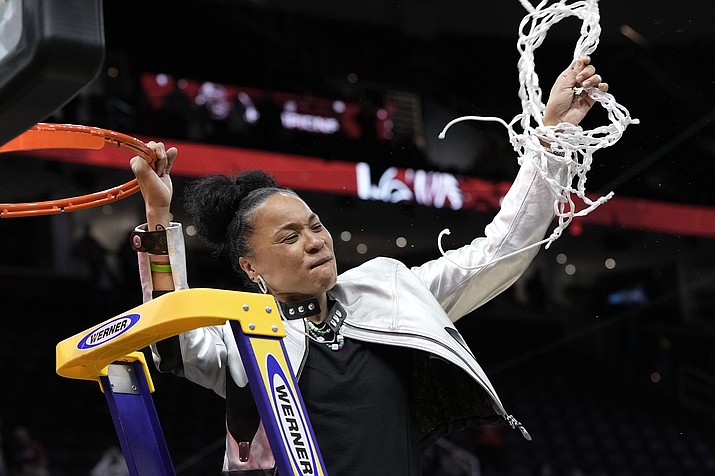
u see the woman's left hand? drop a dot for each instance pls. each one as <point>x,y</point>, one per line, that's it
<point>566,107</point>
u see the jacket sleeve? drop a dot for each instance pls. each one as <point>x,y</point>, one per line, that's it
<point>526,212</point>
<point>198,355</point>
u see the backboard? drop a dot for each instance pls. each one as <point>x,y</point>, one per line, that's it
<point>49,50</point>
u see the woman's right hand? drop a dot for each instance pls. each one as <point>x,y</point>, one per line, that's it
<point>155,183</point>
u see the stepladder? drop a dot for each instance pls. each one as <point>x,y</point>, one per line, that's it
<point>110,353</point>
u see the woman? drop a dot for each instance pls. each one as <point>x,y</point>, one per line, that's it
<point>381,367</point>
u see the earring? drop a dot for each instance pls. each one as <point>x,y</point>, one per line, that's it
<point>262,285</point>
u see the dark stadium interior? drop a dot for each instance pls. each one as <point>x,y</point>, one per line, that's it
<point>609,366</point>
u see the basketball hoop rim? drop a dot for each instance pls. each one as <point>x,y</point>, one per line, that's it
<point>72,136</point>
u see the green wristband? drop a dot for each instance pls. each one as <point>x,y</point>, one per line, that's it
<point>160,268</point>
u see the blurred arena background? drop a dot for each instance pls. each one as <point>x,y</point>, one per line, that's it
<point>603,349</point>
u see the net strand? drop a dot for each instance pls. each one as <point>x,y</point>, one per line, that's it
<point>574,144</point>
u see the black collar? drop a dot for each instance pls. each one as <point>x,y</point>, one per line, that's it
<point>310,307</point>
<point>299,309</point>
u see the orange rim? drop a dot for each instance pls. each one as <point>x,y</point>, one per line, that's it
<point>70,136</point>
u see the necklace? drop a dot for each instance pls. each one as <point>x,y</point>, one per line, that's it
<point>328,331</point>
<point>323,334</point>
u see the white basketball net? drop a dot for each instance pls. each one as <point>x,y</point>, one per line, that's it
<point>576,144</point>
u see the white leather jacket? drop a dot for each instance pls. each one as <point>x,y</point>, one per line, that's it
<point>388,303</point>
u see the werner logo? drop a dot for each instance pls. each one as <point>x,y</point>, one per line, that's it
<point>108,331</point>
<point>291,420</point>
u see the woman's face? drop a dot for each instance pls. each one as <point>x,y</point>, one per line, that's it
<point>292,250</point>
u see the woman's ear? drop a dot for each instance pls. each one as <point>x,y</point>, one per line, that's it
<point>247,268</point>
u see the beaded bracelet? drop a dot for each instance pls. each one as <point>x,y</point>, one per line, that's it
<point>159,268</point>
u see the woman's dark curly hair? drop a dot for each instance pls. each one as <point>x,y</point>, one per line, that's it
<point>222,210</point>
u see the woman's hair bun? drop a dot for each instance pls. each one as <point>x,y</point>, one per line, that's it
<point>251,180</point>
<point>212,201</point>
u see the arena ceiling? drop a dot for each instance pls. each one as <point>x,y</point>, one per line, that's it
<point>658,22</point>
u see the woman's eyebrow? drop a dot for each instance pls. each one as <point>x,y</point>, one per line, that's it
<point>292,225</point>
